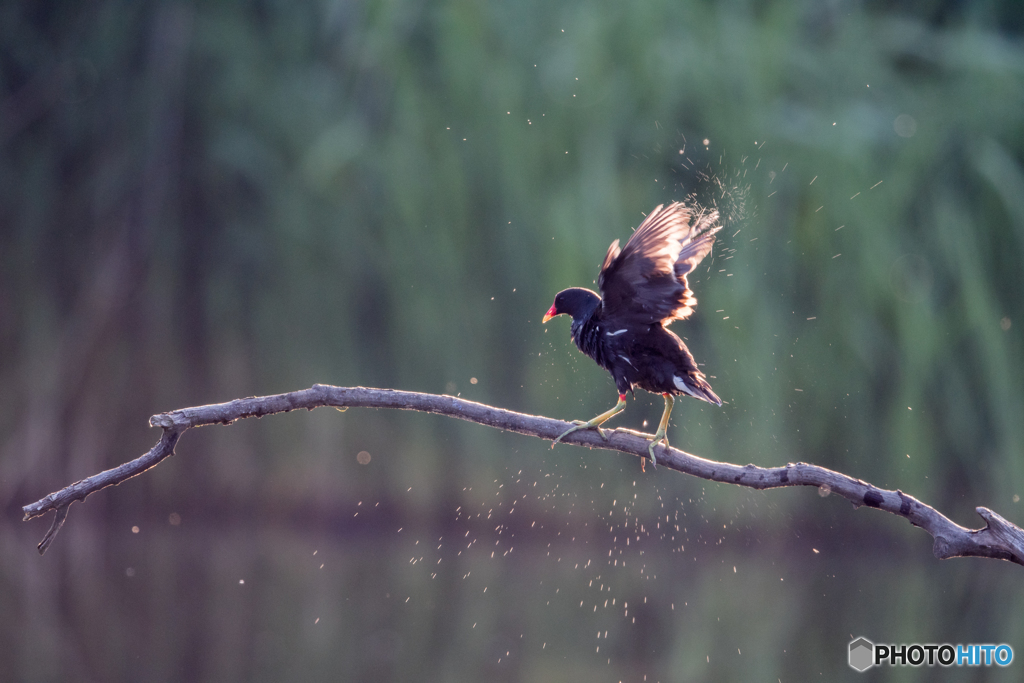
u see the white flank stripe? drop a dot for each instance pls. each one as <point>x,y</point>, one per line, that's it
<point>617,332</point>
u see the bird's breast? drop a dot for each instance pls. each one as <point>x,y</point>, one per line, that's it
<point>588,338</point>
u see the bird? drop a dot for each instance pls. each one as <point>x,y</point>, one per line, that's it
<point>643,290</point>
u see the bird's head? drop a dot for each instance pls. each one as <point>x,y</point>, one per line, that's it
<point>575,302</point>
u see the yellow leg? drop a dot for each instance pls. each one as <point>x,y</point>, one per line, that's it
<point>596,422</point>
<point>661,434</point>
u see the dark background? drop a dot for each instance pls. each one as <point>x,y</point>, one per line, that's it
<point>200,202</point>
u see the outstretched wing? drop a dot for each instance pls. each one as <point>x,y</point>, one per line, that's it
<point>645,281</point>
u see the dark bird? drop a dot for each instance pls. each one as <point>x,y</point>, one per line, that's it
<point>644,289</point>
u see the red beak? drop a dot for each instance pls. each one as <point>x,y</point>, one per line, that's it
<point>550,314</point>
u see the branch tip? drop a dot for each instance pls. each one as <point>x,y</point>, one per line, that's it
<point>162,420</point>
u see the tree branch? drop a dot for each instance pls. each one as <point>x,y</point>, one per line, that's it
<point>999,539</point>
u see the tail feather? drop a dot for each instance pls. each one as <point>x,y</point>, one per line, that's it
<point>697,386</point>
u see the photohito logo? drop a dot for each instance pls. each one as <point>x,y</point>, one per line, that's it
<point>864,654</point>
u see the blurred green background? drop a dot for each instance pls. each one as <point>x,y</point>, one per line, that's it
<point>205,201</point>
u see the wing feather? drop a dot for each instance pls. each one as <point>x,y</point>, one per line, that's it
<point>645,281</point>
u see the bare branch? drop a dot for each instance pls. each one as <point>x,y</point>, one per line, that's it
<point>999,539</point>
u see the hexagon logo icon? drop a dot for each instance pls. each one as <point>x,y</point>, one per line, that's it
<point>862,654</point>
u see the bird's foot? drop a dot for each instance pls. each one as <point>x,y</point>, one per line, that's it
<point>596,422</point>
<point>650,450</point>
<point>578,425</point>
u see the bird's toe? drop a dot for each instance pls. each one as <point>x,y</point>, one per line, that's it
<point>650,451</point>
<point>567,432</point>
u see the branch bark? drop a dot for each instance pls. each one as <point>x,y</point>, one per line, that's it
<point>999,538</point>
